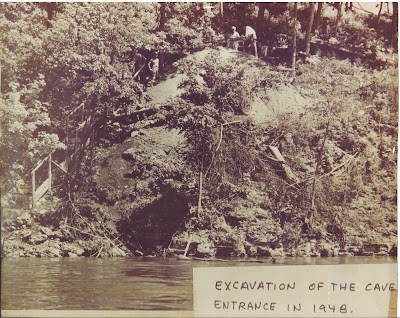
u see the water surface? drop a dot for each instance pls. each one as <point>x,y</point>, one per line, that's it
<point>118,283</point>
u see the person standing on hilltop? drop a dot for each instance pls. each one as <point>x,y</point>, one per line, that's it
<point>251,38</point>
<point>234,39</point>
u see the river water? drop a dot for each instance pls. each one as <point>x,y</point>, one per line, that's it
<point>118,283</point>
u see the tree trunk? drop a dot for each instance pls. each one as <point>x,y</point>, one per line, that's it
<point>163,6</point>
<point>379,13</point>
<point>317,20</point>
<point>49,10</point>
<point>221,8</point>
<point>309,28</point>
<point>394,24</point>
<point>260,18</point>
<point>294,42</point>
<point>339,16</point>
<point>199,208</point>
<point>378,22</point>
<point>313,209</point>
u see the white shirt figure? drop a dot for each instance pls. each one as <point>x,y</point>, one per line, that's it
<point>154,66</point>
<point>235,39</point>
<point>250,33</point>
<point>251,36</point>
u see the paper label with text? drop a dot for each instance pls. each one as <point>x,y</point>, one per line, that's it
<point>294,291</point>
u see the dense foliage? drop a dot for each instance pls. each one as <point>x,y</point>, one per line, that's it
<point>339,143</point>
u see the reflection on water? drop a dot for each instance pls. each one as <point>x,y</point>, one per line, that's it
<point>118,283</point>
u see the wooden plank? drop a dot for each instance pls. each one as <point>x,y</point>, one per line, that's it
<point>83,113</point>
<point>39,164</point>
<point>50,177</point>
<point>41,190</point>
<point>275,151</point>
<point>76,141</point>
<point>137,73</point>
<point>60,166</point>
<point>73,111</point>
<point>66,149</point>
<point>33,189</point>
<point>187,245</point>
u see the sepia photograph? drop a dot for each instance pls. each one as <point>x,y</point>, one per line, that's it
<point>140,141</point>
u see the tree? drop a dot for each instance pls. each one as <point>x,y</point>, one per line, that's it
<point>317,20</point>
<point>51,8</point>
<point>336,100</point>
<point>294,41</point>
<point>262,6</point>
<point>309,29</point>
<point>216,90</point>
<point>395,19</point>
<point>338,16</point>
<point>378,21</point>
<point>26,132</point>
<point>163,6</point>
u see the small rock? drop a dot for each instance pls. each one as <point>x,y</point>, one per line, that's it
<point>72,255</point>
